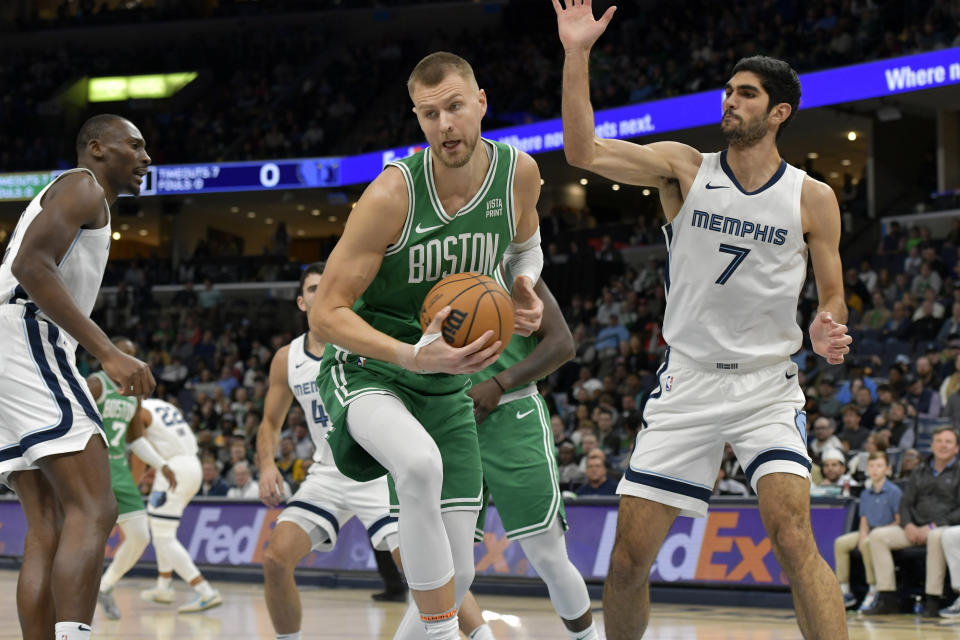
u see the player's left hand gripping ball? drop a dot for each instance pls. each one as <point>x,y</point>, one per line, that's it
<point>527,307</point>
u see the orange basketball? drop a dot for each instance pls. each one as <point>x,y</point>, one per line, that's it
<point>477,304</point>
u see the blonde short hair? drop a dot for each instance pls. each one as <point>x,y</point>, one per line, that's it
<point>435,67</point>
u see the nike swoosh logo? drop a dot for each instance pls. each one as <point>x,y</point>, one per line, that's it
<point>82,627</point>
<point>299,364</point>
<point>427,229</point>
<point>790,376</point>
<point>521,416</point>
<point>717,186</point>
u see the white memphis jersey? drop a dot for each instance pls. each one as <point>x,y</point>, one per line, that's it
<point>736,264</point>
<point>168,432</point>
<point>303,368</point>
<point>81,267</point>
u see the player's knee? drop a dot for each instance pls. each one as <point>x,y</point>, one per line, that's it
<point>792,544</point>
<point>276,563</point>
<point>628,565</point>
<point>421,476</point>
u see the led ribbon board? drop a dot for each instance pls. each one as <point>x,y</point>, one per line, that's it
<point>821,88</point>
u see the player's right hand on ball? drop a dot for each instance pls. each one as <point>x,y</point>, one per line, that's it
<point>132,376</point>
<point>271,486</point>
<point>440,357</point>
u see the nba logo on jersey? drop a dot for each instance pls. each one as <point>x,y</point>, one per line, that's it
<point>669,383</point>
<point>361,361</point>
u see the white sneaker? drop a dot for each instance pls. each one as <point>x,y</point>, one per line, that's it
<point>158,595</point>
<point>108,604</point>
<point>199,603</point>
<point>953,611</point>
<point>868,601</point>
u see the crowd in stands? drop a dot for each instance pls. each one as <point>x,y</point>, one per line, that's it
<point>298,99</point>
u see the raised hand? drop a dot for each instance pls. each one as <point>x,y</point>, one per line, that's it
<point>527,307</point>
<point>577,27</point>
<point>436,356</point>
<point>829,338</point>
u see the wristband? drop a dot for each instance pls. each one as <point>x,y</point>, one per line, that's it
<point>145,451</point>
<point>424,340</point>
<point>502,390</point>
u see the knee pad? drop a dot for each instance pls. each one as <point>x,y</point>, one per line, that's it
<point>136,532</point>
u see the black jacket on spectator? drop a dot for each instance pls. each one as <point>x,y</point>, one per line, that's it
<point>928,498</point>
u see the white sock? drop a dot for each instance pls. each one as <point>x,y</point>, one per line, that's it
<point>442,626</point>
<point>482,632</point>
<point>204,589</point>
<point>289,636</point>
<point>72,631</point>
<point>590,633</point>
<point>162,583</point>
<point>844,588</point>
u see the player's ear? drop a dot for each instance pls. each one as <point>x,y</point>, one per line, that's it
<point>482,98</point>
<point>781,112</point>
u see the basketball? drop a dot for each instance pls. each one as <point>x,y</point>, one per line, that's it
<point>477,304</point>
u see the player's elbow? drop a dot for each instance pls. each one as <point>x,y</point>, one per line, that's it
<point>578,156</point>
<point>26,269</point>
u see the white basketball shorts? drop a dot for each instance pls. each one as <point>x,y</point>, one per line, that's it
<point>45,405</point>
<point>327,499</point>
<point>167,504</point>
<point>695,410</point>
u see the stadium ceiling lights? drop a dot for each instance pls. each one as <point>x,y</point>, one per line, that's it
<point>118,88</point>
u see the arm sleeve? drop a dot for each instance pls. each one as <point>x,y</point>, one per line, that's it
<point>145,451</point>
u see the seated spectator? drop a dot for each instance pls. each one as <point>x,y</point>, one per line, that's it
<point>598,484</point>
<point>853,434</point>
<point>827,396</point>
<point>725,486</point>
<point>244,487</point>
<point>929,504</point>
<point>836,481</point>
<point>569,471</point>
<point>900,429</point>
<point>823,438</point>
<point>213,484</point>
<point>950,387</point>
<point>237,453</point>
<point>559,432</point>
<point>924,400</point>
<point>611,337</point>
<point>908,462</point>
<point>290,466</point>
<point>879,504</point>
<point>301,439</point>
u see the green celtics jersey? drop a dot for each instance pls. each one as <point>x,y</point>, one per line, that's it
<point>436,243</point>
<point>117,411</point>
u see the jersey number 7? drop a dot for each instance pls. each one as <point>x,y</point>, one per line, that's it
<point>739,255</point>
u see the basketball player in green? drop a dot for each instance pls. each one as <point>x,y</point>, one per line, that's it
<point>520,470</point>
<point>397,398</point>
<point>118,412</point>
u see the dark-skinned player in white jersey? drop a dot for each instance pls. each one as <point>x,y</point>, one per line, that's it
<point>53,450</point>
<point>737,262</point>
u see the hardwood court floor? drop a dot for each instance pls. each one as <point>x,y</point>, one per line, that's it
<point>349,614</point>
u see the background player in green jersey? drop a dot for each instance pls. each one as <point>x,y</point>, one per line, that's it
<point>519,468</point>
<point>118,411</point>
<point>397,398</point>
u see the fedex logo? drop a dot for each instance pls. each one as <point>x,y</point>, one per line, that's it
<point>391,154</point>
<point>215,541</point>
<point>710,551</point>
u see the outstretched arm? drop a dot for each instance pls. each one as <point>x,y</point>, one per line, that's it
<point>556,346</point>
<point>614,159</point>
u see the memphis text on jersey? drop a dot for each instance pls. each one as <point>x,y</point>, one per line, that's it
<point>739,228</point>
<point>437,258</point>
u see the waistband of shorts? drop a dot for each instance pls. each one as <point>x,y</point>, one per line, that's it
<point>734,367</point>
<point>525,392</point>
<point>14,310</point>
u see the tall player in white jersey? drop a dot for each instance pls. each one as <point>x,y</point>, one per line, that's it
<point>737,261</point>
<point>173,445</point>
<point>327,499</point>
<point>52,447</point>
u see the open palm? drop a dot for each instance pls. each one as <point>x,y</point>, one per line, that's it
<point>577,27</point>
